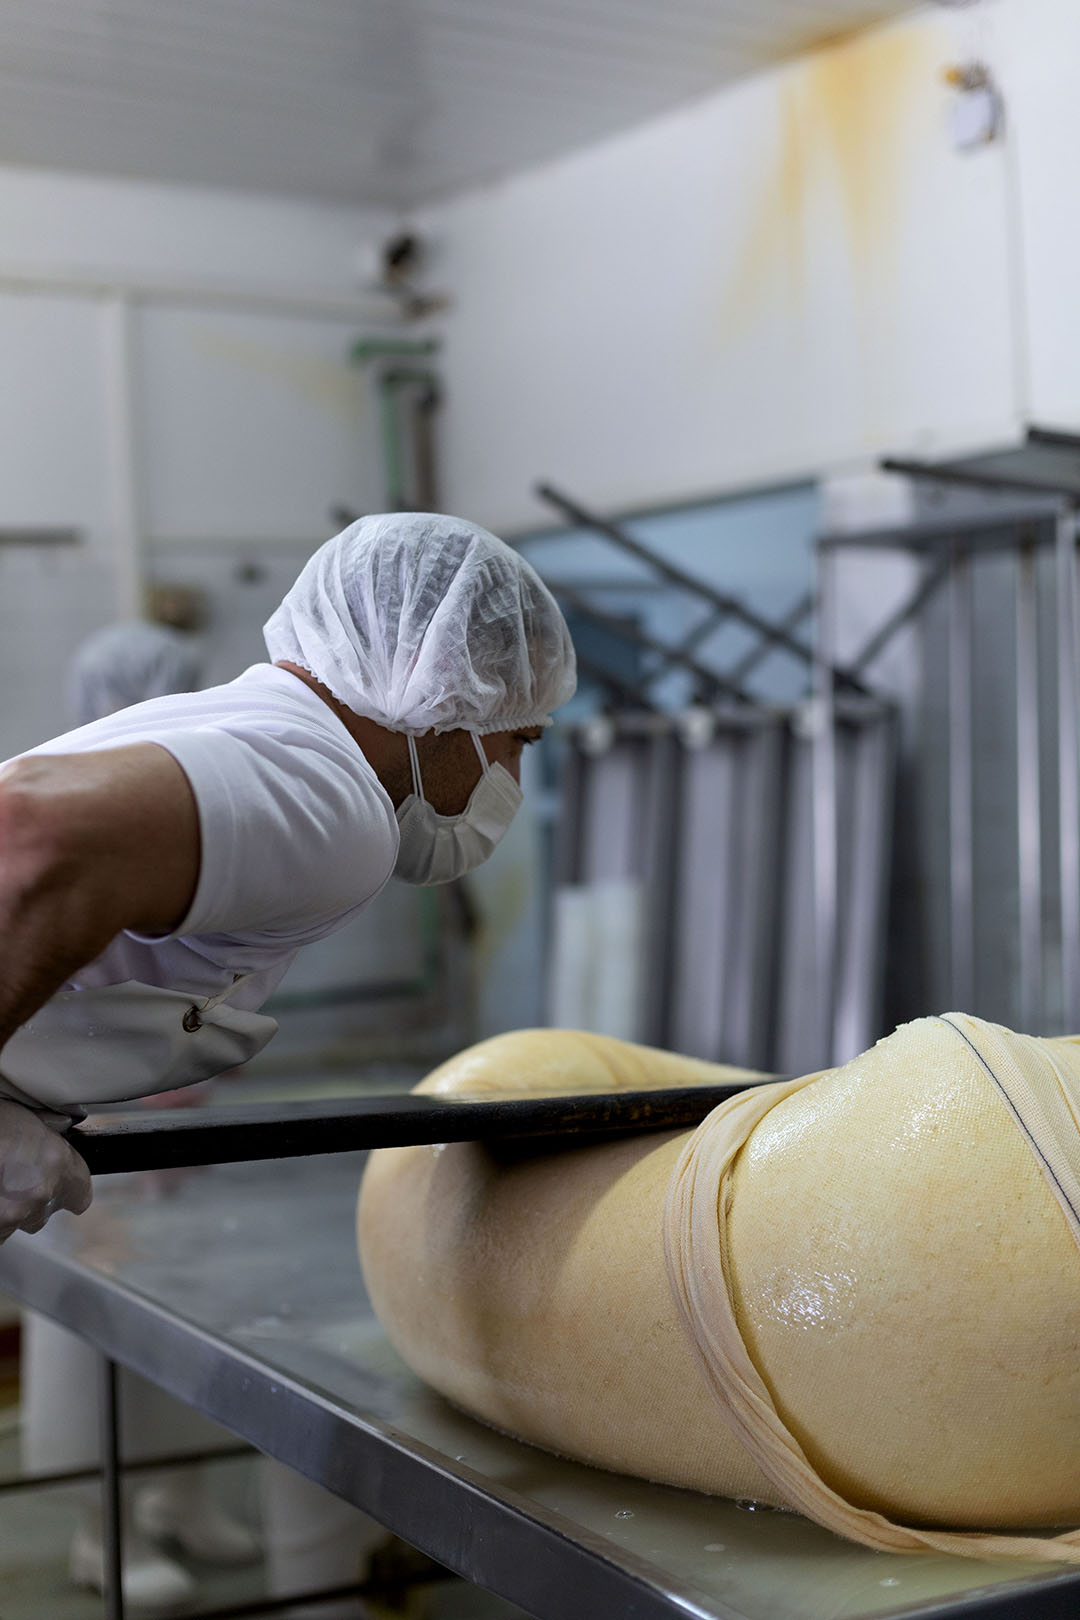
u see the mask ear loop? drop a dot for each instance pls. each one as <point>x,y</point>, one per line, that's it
<point>414,764</point>
<point>478,745</point>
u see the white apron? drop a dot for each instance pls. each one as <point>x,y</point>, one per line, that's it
<point>118,1041</point>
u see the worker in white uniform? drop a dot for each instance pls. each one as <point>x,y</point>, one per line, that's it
<point>161,867</point>
<point>127,663</point>
<point>116,667</point>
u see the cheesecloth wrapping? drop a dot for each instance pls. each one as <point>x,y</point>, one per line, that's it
<point>876,1269</point>
<point>1039,1083</point>
<point>423,622</point>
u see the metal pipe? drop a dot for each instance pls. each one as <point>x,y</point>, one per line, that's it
<point>1028,806</point>
<point>390,386</point>
<point>393,454</point>
<point>111,1508</point>
<point>389,348</point>
<point>425,469</point>
<point>1068,792</point>
<point>961,797</point>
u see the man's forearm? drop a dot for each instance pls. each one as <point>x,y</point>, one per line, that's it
<point>49,930</point>
<point>90,844</point>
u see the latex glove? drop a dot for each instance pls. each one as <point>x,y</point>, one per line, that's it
<point>39,1173</point>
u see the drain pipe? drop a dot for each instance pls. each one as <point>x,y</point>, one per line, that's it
<point>393,379</point>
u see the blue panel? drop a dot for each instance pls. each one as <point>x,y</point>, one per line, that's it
<point>758,548</point>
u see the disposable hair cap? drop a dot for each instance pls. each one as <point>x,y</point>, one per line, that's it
<point>422,622</point>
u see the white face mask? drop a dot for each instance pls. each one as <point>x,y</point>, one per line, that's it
<point>437,849</point>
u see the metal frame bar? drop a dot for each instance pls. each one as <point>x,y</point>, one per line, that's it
<point>278,1605</point>
<point>703,629</point>
<point>710,681</point>
<point>1068,763</point>
<point>112,1530</point>
<point>875,644</point>
<point>78,1476</point>
<point>658,867</point>
<point>729,606</point>
<point>823,787</point>
<point>1028,796</point>
<point>961,783</point>
<point>970,478</point>
<point>1053,438</point>
<point>803,608</point>
<point>982,531</point>
<point>617,686</point>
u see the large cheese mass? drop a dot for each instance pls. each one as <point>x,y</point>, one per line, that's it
<point>857,1293</point>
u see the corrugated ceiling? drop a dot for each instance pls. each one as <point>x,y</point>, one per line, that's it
<point>369,101</point>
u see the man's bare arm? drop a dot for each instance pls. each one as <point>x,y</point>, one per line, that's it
<point>90,844</point>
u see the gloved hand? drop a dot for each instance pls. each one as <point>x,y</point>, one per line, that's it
<point>39,1173</point>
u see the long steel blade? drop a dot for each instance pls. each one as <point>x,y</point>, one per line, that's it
<point>169,1139</point>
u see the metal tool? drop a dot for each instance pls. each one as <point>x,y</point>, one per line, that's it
<point>171,1139</point>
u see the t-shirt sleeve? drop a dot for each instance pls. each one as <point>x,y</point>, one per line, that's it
<point>293,837</point>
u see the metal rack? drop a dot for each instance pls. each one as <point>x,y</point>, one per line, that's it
<point>708,819</point>
<point>718,608</point>
<point>1035,543</point>
<point>738,934</point>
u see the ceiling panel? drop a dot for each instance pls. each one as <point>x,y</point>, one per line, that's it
<point>369,101</point>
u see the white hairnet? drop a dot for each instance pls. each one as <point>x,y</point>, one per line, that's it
<point>128,663</point>
<point>422,622</point>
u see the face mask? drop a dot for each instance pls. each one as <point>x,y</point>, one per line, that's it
<point>437,849</point>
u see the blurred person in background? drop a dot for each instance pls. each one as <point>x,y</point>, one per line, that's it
<point>128,663</point>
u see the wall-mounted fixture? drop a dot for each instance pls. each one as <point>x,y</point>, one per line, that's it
<point>398,265</point>
<point>976,107</point>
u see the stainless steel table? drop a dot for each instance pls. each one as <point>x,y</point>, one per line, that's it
<point>239,1292</point>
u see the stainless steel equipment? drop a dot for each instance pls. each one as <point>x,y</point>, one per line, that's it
<point>994,751</point>
<point>240,1294</point>
<point>746,952</point>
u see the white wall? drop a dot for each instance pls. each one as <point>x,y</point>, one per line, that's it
<point>1037,43</point>
<point>247,422</point>
<point>792,276</point>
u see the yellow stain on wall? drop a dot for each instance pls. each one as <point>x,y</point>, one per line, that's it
<point>332,384</point>
<point>842,149</point>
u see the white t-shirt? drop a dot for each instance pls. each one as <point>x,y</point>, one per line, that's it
<point>297,832</point>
